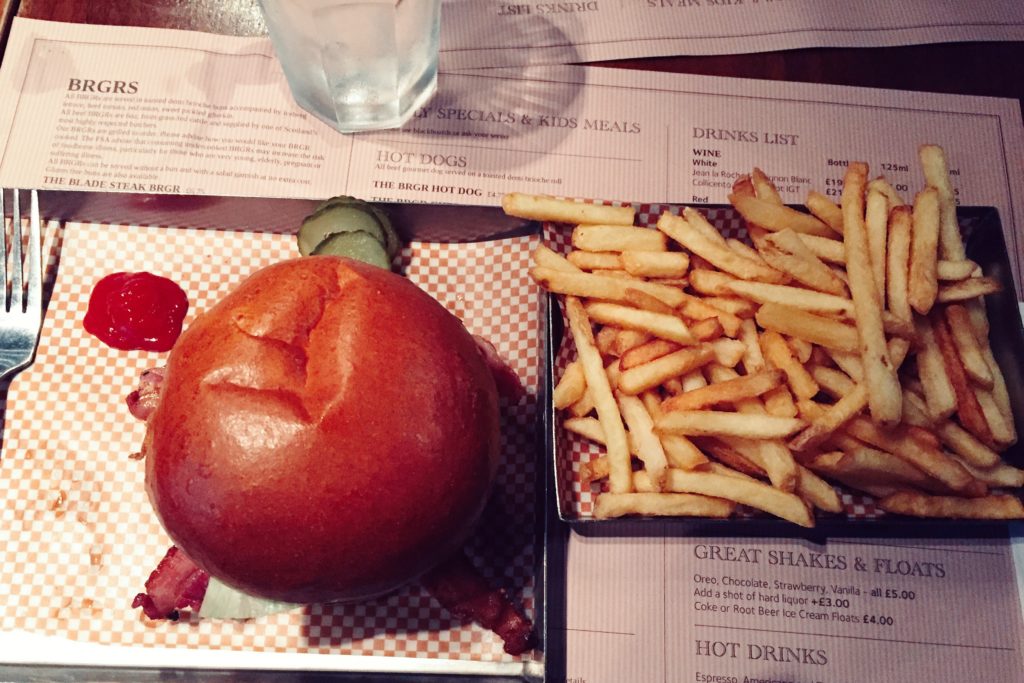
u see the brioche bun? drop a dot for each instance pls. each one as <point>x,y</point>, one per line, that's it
<point>328,431</point>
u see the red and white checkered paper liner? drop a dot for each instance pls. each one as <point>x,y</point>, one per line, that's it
<point>78,537</point>
<point>572,450</point>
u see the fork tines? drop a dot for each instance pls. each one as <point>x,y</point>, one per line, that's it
<point>23,293</point>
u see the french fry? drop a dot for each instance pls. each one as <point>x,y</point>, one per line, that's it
<point>548,258</point>
<point>962,443</point>
<point>692,380</point>
<point>924,244</point>
<point>660,325</point>
<point>699,309</point>
<point>825,210</point>
<point>813,328</point>
<point>731,458</point>
<point>645,353</point>
<point>779,402</point>
<point>834,382</point>
<point>602,287</point>
<point>687,458</point>
<point>770,455</point>
<point>649,375</point>
<point>931,461</point>
<point>968,409</point>
<point>1001,428</point>
<point>611,505</point>
<point>648,445</point>
<point>545,208</point>
<point>620,478</point>
<point>1005,434</point>
<point>955,270</point>
<point>898,263</point>
<point>728,352</point>
<point>603,238</point>
<point>732,305</point>
<point>753,357</point>
<point>681,452</point>
<point>744,185</point>
<point>773,217</point>
<point>744,491</point>
<point>582,407</point>
<point>931,369</point>
<point>745,250</point>
<point>707,329</point>
<point>880,184</point>
<point>970,288</point>
<point>764,188</point>
<point>710,282</point>
<point>593,260</point>
<point>801,348</point>
<point>834,417</point>
<point>608,272</point>
<point>862,464</point>
<point>817,491</point>
<point>593,470</point>
<point>921,505</point>
<point>876,221</point>
<point>570,387</point>
<point>655,263</point>
<point>590,428</point>
<point>787,252</point>
<point>627,339</point>
<point>800,314</point>
<point>718,423</point>
<point>999,475</point>
<point>779,354</point>
<point>884,397</point>
<point>693,232</point>
<point>898,350</point>
<point>967,346</point>
<point>797,297</point>
<point>643,300</point>
<point>730,391</point>
<point>607,341</point>
<point>936,174</point>
<point>825,248</point>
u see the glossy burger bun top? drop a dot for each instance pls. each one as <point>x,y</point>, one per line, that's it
<point>328,431</point>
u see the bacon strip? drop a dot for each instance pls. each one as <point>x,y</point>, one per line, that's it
<point>461,590</point>
<point>143,401</point>
<point>509,384</point>
<point>175,584</point>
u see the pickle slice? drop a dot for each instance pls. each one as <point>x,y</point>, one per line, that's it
<point>358,245</point>
<point>336,220</point>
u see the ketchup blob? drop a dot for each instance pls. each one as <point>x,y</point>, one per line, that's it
<point>136,311</point>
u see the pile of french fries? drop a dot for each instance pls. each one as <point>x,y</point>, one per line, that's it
<point>848,346</point>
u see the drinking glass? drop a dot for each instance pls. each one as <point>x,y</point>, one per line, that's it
<point>357,64</point>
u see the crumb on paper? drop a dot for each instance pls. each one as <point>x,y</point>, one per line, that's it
<point>58,499</point>
<point>96,555</point>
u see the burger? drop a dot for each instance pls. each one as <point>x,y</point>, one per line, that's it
<point>326,432</point>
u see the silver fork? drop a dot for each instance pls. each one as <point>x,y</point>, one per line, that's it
<point>21,315</point>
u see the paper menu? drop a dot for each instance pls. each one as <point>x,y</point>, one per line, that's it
<point>791,610</point>
<point>158,117</point>
<point>479,34</point>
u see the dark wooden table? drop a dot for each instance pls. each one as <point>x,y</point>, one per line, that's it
<point>991,69</point>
